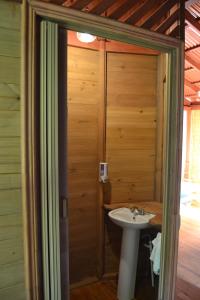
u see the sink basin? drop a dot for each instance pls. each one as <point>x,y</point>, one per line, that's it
<point>124,218</point>
<point>131,226</point>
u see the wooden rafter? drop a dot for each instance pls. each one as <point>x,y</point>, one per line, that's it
<point>192,20</point>
<point>188,69</point>
<point>168,22</point>
<point>124,8</point>
<point>192,48</point>
<point>191,61</point>
<point>159,13</point>
<point>149,14</point>
<point>140,12</point>
<point>195,82</point>
<point>80,4</point>
<point>175,32</point>
<point>102,7</point>
<point>191,85</point>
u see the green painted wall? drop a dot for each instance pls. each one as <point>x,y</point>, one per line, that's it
<point>11,236</point>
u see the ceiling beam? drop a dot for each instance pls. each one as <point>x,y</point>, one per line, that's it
<point>192,48</point>
<point>193,62</point>
<point>167,23</point>
<point>80,4</point>
<point>158,14</point>
<point>191,85</point>
<point>175,32</point>
<point>140,12</point>
<point>192,20</point>
<point>102,7</point>
<point>194,82</point>
<point>188,69</point>
<point>124,8</point>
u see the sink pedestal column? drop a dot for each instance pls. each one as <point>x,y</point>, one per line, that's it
<point>128,264</point>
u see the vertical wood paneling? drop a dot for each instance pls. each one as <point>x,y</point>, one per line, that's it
<point>83,104</point>
<point>131,138</point>
<point>131,126</point>
<point>11,233</point>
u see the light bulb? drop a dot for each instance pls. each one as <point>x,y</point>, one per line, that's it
<point>85,37</point>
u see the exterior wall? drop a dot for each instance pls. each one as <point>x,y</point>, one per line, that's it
<point>11,232</point>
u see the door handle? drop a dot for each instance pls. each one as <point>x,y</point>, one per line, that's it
<point>64,208</point>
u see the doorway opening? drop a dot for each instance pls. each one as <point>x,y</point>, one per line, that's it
<point>188,276</point>
<point>49,179</point>
<point>115,94</point>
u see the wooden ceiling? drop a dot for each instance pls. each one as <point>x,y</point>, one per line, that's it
<point>192,53</point>
<point>163,16</point>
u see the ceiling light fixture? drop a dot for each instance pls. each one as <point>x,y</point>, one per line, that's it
<point>85,37</point>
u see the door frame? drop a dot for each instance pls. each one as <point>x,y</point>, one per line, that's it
<point>33,12</point>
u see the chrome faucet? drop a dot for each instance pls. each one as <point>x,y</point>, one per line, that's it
<point>136,211</point>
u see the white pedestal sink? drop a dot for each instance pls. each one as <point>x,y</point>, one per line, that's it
<point>129,248</point>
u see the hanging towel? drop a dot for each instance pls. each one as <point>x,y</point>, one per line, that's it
<point>155,254</point>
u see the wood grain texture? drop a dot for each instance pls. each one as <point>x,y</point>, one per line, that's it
<point>83,103</point>
<point>188,276</point>
<point>107,290</point>
<point>9,42</point>
<point>131,126</point>
<point>131,140</point>
<point>98,291</point>
<point>10,15</point>
<point>10,201</point>
<point>11,231</point>
<point>16,290</point>
<point>9,72</point>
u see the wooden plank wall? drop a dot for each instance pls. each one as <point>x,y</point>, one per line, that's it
<point>83,102</point>
<point>131,126</point>
<point>11,236</point>
<point>131,143</point>
<point>131,138</point>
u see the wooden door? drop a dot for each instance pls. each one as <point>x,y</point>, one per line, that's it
<point>82,176</point>
<point>49,176</point>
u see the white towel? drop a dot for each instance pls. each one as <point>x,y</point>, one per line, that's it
<point>155,254</point>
